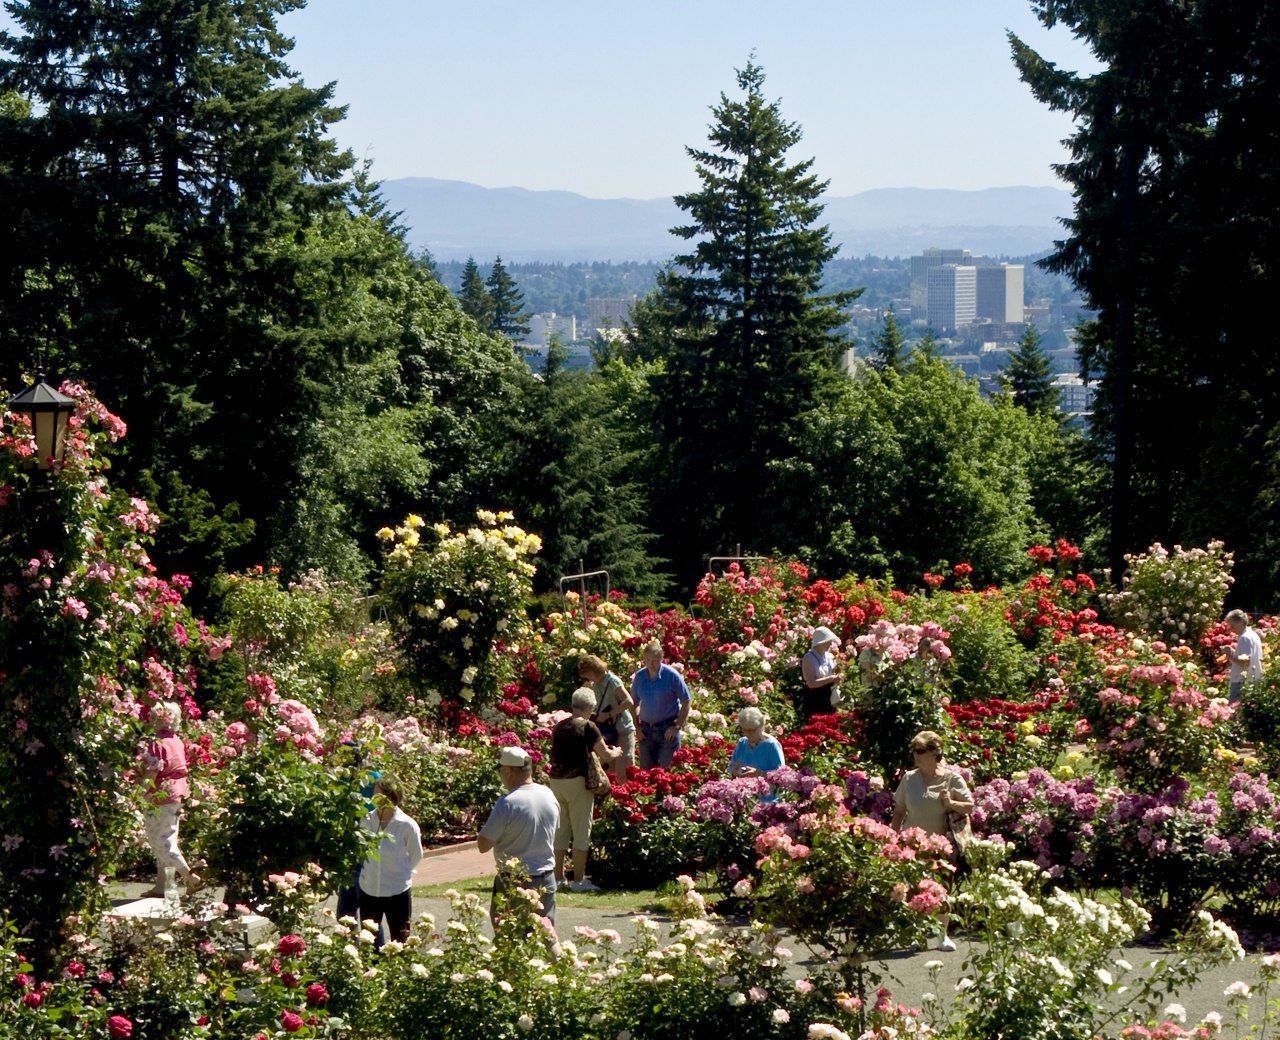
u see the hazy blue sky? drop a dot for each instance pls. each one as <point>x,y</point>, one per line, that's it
<point>601,97</point>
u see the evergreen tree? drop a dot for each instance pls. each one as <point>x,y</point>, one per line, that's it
<point>508,303</point>
<point>167,151</point>
<point>576,473</point>
<point>474,300</point>
<point>928,347</point>
<point>1174,163</point>
<point>889,346</point>
<point>1029,375</point>
<point>746,340</point>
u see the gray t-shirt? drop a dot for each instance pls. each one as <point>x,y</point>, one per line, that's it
<point>523,824</point>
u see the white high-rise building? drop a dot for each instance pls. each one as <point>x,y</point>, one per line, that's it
<point>1000,293</point>
<point>921,266</point>
<point>953,296</point>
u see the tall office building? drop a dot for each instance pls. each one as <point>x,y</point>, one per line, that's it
<point>609,312</point>
<point>920,268</point>
<point>1000,293</point>
<point>953,296</point>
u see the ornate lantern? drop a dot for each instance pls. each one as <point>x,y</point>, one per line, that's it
<point>50,412</point>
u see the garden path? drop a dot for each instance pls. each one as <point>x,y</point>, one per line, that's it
<point>453,863</point>
<point>905,973</point>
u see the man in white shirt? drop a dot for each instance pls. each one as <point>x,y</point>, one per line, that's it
<point>523,826</point>
<point>386,880</point>
<point>1246,658</point>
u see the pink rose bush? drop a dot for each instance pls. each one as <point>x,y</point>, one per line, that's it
<point>850,883</point>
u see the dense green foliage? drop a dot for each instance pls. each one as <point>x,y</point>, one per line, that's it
<point>901,471</point>
<point>746,340</point>
<point>1173,165</point>
<point>1029,375</point>
<point>197,248</point>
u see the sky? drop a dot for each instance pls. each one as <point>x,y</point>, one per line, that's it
<point>601,98</point>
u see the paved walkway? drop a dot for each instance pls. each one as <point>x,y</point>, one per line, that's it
<point>453,863</point>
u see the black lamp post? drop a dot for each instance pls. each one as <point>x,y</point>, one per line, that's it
<point>50,412</point>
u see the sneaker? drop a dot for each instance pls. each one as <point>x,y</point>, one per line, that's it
<point>585,885</point>
<point>947,946</point>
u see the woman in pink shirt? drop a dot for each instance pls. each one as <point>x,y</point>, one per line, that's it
<point>165,772</point>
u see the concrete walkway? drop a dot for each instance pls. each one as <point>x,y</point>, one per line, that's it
<point>453,863</point>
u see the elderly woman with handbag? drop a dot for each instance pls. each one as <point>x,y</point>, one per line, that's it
<point>573,743</point>
<point>614,716</point>
<point>935,799</point>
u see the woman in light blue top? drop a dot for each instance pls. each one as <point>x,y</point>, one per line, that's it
<point>614,716</point>
<point>757,753</point>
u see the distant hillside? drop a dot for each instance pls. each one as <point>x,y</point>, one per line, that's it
<point>454,220</point>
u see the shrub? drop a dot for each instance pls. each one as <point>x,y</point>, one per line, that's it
<point>1173,596</point>
<point>450,594</point>
<point>284,807</point>
<point>850,884</point>
<point>902,693</point>
<point>314,638</point>
<point>1150,723</point>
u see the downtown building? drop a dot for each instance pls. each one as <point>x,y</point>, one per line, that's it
<point>952,300</point>
<point>921,266</point>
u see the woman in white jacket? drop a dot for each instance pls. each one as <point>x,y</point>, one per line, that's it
<point>386,879</point>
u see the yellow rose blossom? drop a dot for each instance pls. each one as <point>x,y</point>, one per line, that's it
<point>386,534</point>
<point>1027,726</point>
<point>414,521</point>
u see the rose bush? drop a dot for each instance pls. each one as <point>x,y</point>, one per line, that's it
<point>451,595</point>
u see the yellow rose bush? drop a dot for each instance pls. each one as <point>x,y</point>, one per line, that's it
<point>452,597</point>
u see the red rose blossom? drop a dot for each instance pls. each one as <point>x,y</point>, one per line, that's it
<point>316,994</point>
<point>290,1022</point>
<point>120,1027</point>
<point>291,946</point>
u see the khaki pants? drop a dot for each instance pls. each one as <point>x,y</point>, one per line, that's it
<point>576,805</point>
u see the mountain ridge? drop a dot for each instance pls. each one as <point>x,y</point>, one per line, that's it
<point>457,219</point>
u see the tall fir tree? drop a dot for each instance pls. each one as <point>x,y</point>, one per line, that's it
<point>508,304</point>
<point>747,341</point>
<point>473,298</point>
<point>889,346</point>
<point>166,151</point>
<point>1029,375</point>
<point>1174,162</point>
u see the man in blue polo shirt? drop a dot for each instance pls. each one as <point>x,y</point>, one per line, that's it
<point>662,702</point>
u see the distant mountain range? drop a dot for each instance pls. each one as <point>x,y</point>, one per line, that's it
<point>454,220</point>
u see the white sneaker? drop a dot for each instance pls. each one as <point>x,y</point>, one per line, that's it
<point>947,946</point>
<point>585,885</point>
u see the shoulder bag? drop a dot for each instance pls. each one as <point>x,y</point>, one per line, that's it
<point>598,781</point>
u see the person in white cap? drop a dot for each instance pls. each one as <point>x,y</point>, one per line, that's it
<point>821,680</point>
<point>522,826</point>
